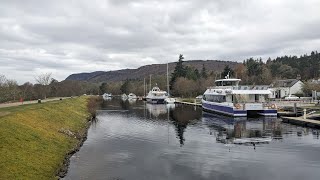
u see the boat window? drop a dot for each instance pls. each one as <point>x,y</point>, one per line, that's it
<point>226,83</point>
<point>256,97</point>
<point>219,83</point>
<point>229,83</point>
<point>215,98</point>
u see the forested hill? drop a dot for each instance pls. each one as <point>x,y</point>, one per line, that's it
<point>308,66</point>
<point>145,71</point>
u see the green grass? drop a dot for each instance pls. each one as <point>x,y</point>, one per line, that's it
<point>30,145</point>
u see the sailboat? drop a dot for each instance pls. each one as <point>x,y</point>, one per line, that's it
<point>169,100</point>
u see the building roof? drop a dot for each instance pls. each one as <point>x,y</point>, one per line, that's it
<point>285,83</point>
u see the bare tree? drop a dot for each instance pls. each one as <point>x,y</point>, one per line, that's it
<point>13,90</point>
<point>8,89</point>
<point>26,90</point>
<point>44,80</point>
<point>3,79</point>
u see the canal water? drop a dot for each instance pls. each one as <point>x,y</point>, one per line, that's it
<point>135,140</point>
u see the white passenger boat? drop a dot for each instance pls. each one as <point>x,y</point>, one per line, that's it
<point>156,96</point>
<point>228,98</point>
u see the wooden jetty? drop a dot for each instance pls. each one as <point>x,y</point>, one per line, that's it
<point>188,103</point>
<point>301,121</point>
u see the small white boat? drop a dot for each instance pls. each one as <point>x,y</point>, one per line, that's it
<point>107,96</point>
<point>170,100</point>
<point>132,96</point>
<point>124,97</point>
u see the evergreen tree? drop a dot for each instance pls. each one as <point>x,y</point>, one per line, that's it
<point>103,88</point>
<point>179,71</point>
<point>227,70</point>
<point>204,72</point>
<point>125,87</point>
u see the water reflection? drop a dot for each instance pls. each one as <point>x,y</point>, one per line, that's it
<point>243,131</point>
<point>141,141</point>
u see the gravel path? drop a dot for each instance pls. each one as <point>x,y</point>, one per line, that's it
<point>3,105</point>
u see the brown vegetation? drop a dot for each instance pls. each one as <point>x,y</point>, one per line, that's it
<point>93,104</point>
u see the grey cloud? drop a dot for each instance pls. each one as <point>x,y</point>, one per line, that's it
<point>67,37</point>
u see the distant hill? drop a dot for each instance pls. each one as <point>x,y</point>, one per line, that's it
<point>145,71</point>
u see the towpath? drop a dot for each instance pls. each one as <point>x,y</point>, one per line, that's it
<point>3,105</point>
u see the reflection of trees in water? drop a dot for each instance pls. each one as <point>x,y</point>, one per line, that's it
<point>125,105</point>
<point>181,117</point>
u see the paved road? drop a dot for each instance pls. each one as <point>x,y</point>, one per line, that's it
<point>29,102</point>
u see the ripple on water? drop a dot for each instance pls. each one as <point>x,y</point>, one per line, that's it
<point>136,141</point>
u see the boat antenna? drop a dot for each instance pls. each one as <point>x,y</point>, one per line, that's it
<point>228,75</point>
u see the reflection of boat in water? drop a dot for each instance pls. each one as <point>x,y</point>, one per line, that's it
<point>157,109</point>
<point>170,106</point>
<point>240,131</point>
<point>228,98</point>
<point>252,140</point>
<point>132,96</point>
<point>132,101</point>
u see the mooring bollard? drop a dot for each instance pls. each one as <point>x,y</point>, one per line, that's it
<point>304,114</point>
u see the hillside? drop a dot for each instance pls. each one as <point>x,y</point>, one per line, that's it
<point>145,71</point>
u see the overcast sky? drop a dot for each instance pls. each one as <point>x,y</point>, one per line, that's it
<point>72,36</point>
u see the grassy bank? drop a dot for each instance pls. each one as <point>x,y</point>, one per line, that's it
<point>34,139</point>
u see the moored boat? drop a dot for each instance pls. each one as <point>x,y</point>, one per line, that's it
<point>156,96</point>
<point>228,98</point>
<point>107,96</point>
<point>132,96</point>
<point>124,97</point>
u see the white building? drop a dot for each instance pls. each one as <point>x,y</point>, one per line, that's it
<point>282,88</point>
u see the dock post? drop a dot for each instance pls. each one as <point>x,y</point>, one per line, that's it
<point>304,114</point>
<point>295,109</point>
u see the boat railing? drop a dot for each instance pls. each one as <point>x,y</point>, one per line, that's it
<point>259,87</point>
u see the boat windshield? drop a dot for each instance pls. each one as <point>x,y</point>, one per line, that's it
<point>226,83</point>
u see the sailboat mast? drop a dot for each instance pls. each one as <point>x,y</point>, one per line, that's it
<point>168,89</point>
<point>144,86</point>
<point>150,82</point>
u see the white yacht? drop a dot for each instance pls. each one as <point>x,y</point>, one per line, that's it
<point>228,98</point>
<point>156,96</point>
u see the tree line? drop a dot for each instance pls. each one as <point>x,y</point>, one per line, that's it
<point>45,87</point>
<point>185,81</point>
